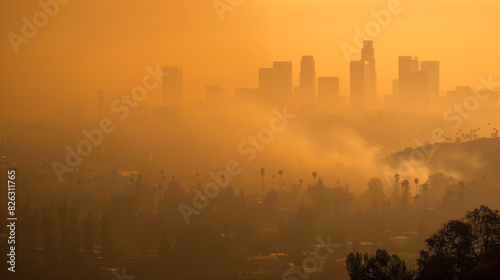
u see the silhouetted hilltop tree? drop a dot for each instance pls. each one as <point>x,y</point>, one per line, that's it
<point>449,254</point>
<point>461,244</point>
<point>381,266</point>
<point>468,248</point>
<point>485,226</point>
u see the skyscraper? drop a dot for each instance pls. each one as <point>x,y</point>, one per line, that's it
<point>172,86</point>
<point>368,54</point>
<point>407,63</point>
<point>308,77</point>
<point>328,92</point>
<point>363,81</point>
<point>283,79</point>
<point>413,86</point>
<point>359,82</point>
<point>432,68</point>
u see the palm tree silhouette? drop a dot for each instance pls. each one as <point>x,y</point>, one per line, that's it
<point>314,176</point>
<point>416,185</point>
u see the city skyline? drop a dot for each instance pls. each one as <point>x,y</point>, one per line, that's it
<point>231,45</point>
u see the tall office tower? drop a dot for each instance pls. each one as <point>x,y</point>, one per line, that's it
<point>359,82</point>
<point>100,98</point>
<point>214,93</point>
<point>413,86</point>
<point>368,54</point>
<point>266,83</point>
<point>407,63</point>
<point>282,79</point>
<point>328,92</point>
<point>432,67</point>
<point>308,78</point>
<point>172,86</point>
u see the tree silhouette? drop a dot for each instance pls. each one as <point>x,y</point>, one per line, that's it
<point>416,181</point>
<point>280,173</point>
<point>461,244</point>
<point>381,266</point>
<point>314,174</point>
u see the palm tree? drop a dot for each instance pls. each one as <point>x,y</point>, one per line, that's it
<point>314,176</point>
<point>262,172</point>
<point>416,185</point>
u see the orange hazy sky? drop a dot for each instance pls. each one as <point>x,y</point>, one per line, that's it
<point>91,45</point>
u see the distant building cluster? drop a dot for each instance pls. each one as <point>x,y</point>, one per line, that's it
<point>417,84</point>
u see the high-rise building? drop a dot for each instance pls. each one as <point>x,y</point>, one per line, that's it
<point>214,93</point>
<point>363,80</point>
<point>359,82</point>
<point>283,79</point>
<point>308,77</point>
<point>328,92</point>
<point>172,86</point>
<point>368,54</point>
<point>407,63</point>
<point>413,85</point>
<point>432,67</point>
<point>100,99</point>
